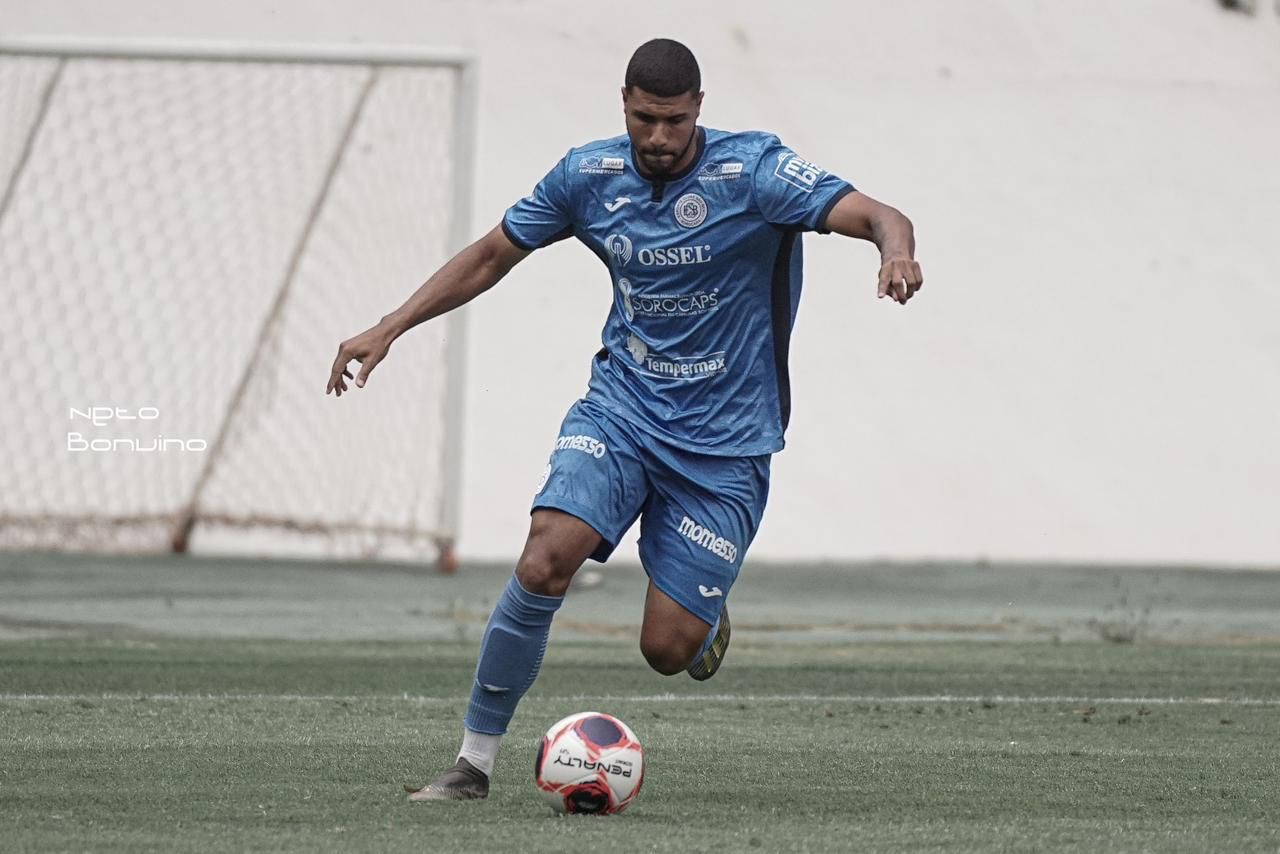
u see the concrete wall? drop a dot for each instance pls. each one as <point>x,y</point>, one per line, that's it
<point>1091,371</point>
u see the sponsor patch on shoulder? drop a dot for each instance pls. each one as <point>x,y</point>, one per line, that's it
<point>798,172</point>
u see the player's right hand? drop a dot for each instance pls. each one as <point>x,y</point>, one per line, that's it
<point>368,348</point>
<point>900,278</point>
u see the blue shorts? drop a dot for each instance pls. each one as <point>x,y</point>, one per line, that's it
<point>698,513</point>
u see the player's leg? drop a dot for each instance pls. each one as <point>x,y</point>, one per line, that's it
<point>700,519</point>
<point>591,492</point>
<point>671,636</point>
<point>512,649</point>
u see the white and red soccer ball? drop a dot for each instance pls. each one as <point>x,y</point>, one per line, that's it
<point>589,763</point>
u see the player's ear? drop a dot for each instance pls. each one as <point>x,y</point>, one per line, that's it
<point>697,101</point>
<point>624,98</point>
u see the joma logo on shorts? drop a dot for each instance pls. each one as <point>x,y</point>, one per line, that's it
<point>705,537</point>
<point>586,444</point>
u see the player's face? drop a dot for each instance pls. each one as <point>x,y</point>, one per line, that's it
<point>661,129</point>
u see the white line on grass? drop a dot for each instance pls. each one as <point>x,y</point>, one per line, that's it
<point>909,699</point>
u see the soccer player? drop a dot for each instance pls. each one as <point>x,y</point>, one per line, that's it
<point>699,230</point>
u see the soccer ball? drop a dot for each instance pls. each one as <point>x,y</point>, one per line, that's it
<point>589,763</point>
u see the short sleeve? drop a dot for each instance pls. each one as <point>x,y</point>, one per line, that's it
<point>544,216</point>
<point>794,192</point>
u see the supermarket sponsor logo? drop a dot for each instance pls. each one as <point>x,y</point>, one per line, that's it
<point>720,172</point>
<point>593,165</point>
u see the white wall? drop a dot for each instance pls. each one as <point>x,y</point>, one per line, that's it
<point>1092,369</point>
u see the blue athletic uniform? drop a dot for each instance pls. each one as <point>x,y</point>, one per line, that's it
<point>690,394</point>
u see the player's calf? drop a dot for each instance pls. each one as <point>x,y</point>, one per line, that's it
<point>668,655</point>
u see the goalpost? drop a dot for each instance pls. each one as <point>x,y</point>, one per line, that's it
<point>187,231</point>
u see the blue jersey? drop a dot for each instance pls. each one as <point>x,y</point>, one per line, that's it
<point>706,269</point>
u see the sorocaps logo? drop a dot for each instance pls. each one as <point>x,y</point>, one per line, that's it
<point>691,210</point>
<point>628,307</point>
<point>619,246</point>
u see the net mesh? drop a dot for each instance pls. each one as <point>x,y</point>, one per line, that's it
<point>187,242</point>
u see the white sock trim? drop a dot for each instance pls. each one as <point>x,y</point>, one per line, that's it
<point>480,750</point>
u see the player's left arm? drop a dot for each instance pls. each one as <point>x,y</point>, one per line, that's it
<point>858,215</point>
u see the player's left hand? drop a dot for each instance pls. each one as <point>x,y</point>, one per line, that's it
<point>900,278</point>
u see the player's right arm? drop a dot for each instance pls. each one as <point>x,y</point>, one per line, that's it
<point>467,275</point>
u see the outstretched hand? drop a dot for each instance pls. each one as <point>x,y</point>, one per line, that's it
<point>368,348</point>
<point>900,278</point>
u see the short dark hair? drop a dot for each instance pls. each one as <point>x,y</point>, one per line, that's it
<point>665,68</point>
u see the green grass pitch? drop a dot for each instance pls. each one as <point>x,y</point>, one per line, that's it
<point>282,745</point>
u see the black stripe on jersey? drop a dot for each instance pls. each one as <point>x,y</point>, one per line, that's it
<point>511,235</point>
<point>780,317</point>
<point>826,209</point>
<point>562,234</point>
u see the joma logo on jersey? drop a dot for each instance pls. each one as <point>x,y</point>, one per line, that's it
<point>587,444</point>
<point>797,171</point>
<point>708,539</point>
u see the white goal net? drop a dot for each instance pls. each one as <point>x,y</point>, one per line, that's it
<point>186,234</point>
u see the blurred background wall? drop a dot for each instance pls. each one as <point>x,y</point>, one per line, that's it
<point>1091,372</point>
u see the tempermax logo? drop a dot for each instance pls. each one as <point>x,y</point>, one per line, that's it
<point>638,349</point>
<point>675,367</point>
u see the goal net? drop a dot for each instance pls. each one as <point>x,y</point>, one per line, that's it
<point>186,234</point>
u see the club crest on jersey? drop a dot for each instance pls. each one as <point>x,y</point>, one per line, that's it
<point>619,246</point>
<point>691,210</point>
<point>593,165</point>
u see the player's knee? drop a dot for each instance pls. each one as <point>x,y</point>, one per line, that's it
<point>667,656</point>
<point>541,570</point>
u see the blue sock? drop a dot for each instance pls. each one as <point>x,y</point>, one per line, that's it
<point>510,656</point>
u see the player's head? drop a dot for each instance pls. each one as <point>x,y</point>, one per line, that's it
<point>661,98</point>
